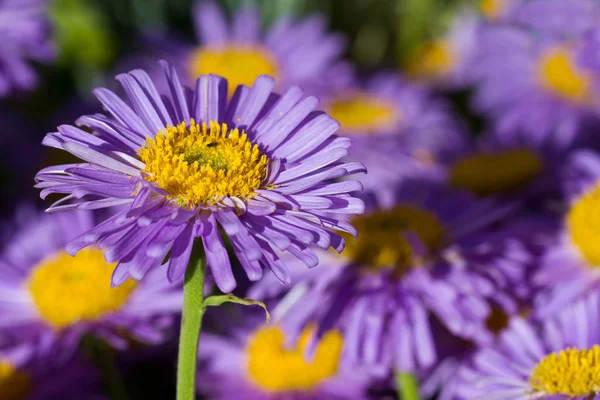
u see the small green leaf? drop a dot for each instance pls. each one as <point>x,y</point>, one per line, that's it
<point>213,301</point>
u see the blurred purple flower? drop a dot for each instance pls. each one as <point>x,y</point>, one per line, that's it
<point>530,73</point>
<point>25,33</point>
<point>570,268</point>
<point>49,295</point>
<point>555,359</point>
<point>267,362</point>
<point>258,166</point>
<point>295,52</point>
<point>429,253</point>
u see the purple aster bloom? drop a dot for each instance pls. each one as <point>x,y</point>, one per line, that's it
<point>427,254</point>
<point>531,73</point>
<point>295,52</point>
<point>270,362</point>
<point>26,373</point>
<point>257,165</point>
<point>47,294</point>
<point>570,268</point>
<point>446,61</point>
<point>400,130</point>
<point>555,359</point>
<point>24,29</point>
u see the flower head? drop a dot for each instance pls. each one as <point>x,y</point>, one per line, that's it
<point>569,268</point>
<point>256,167</point>
<point>557,358</point>
<point>429,253</point>
<point>25,31</point>
<point>44,280</point>
<point>551,89</point>
<point>296,52</point>
<point>269,362</point>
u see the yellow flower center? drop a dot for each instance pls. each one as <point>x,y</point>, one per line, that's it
<point>560,76</point>
<point>240,65</point>
<point>496,172</point>
<point>275,367</point>
<point>362,112</point>
<point>68,289</point>
<point>432,60</point>
<point>383,240</point>
<point>14,385</point>
<point>492,9</point>
<point>571,372</point>
<point>200,165</point>
<point>583,223</point>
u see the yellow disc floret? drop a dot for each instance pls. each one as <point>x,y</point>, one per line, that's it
<point>67,290</point>
<point>362,112</point>
<point>432,60</point>
<point>571,372</point>
<point>200,165</point>
<point>495,172</point>
<point>583,223</point>
<point>559,75</point>
<point>382,240</point>
<point>276,367</point>
<point>14,384</point>
<point>240,65</point>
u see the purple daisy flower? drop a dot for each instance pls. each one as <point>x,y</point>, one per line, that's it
<point>400,130</point>
<point>446,61</point>
<point>569,269</point>
<point>39,282</point>
<point>268,362</point>
<point>530,72</point>
<point>295,52</point>
<point>426,255</point>
<point>24,28</point>
<point>555,359</point>
<point>258,166</point>
<point>28,374</point>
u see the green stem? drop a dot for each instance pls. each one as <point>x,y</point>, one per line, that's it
<point>104,358</point>
<point>407,386</point>
<point>191,323</point>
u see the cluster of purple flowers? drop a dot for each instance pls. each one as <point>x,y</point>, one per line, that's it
<point>386,237</point>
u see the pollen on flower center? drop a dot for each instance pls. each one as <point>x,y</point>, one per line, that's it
<point>583,223</point>
<point>385,239</point>
<point>434,59</point>
<point>276,367</point>
<point>571,372</point>
<point>240,65</point>
<point>362,112</point>
<point>200,165</point>
<point>14,384</point>
<point>68,289</point>
<point>496,172</point>
<point>559,75</point>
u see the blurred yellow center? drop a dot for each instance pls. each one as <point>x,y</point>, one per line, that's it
<point>583,223</point>
<point>200,165</point>
<point>276,367</point>
<point>14,385</point>
<point>240,65</point>
<point>382,237</point>
<point>362,112</point>
<point>560,76</point>
<point>571,372</point>
<point>491,9</point>
<point>432,60</point>
<point>496,172</point>
<point>68,289</point>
